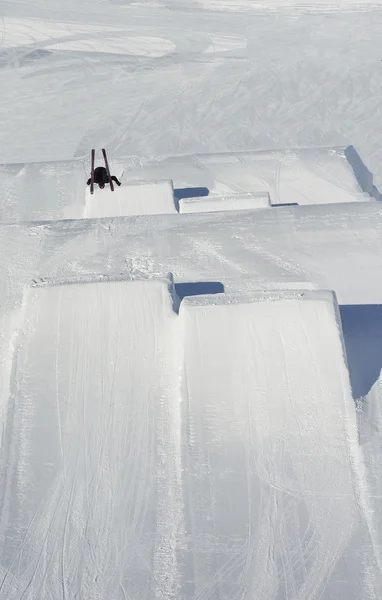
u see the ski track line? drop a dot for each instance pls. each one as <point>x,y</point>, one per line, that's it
<point>57,385</point>
<point>264,510</point>
<point>288,571</point>
<point>320,570</point>
<point>209,582</point>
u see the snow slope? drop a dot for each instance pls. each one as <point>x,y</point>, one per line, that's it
<point>89,491</point>
<point>216,453</point>
<point>173,76</point>
<point>275,486</point>
<point>329,246</point>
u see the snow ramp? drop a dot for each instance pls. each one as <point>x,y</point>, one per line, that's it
<point>270,475</point>
<point>89,504</point>
<point>151,198</point>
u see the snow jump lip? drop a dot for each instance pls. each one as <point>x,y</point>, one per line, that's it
<point>140,198</point>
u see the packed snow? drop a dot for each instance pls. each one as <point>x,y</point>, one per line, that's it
<point>83,459</point>
<point>151,198</point>
<point>191,365</point>
<point>272,452</point>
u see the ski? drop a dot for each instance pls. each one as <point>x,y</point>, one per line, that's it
<point>92,172</point>
<point>107,169</point>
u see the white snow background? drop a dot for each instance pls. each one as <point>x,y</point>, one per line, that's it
<point>190,367</point>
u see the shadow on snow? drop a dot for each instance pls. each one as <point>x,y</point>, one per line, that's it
<point>198,288</point>
<point>191,192</point>
<point>362,330</point>
<point>362,173</point>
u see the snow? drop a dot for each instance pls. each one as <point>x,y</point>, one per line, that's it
<point>83,460</point>
<point>191,366</point>
<point>276,248</point>
<point>243,201</point>
<point>287,445</point>
<point>157,444</point>
<point>326,6</point>
<point>268,92</point>
<point>44,191</point>
<point>148,198</point>
<point>272,446</point>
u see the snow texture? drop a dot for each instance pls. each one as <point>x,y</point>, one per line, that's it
<point>139,199</point>
<point>272,453</point>
<point>97,454</point>
<point>310,176</point>
<point>190,404</point>
<point>84,462</point>
<point>242,250</point>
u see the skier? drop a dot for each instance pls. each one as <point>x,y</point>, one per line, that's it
<point>101,177</point>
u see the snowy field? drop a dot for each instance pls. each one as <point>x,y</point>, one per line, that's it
<point>190,367</point>
<point>163,77</point>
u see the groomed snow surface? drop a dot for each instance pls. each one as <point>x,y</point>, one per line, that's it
<point>191,435</point>
<point>141,199</point>
<point>213,452</point>
<point>190,366</point>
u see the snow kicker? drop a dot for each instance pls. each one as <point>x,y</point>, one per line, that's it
<point>145,445</point>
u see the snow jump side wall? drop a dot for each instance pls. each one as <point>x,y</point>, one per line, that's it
<point>268,420</point>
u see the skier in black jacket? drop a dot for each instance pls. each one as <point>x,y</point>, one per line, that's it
<point>100,177</point>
